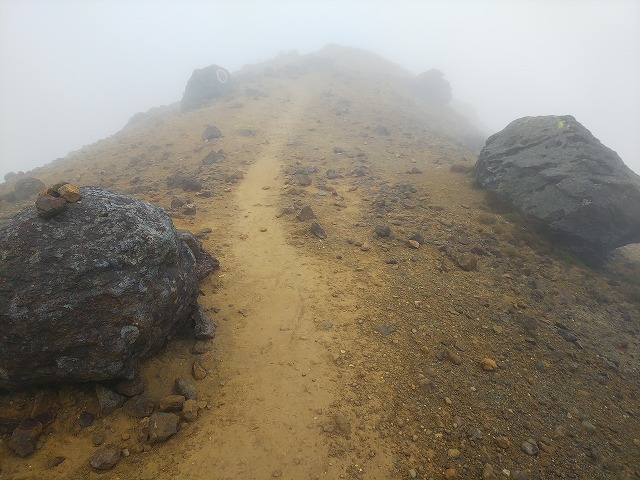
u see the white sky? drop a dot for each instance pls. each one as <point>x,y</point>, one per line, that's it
<point>74,71</point>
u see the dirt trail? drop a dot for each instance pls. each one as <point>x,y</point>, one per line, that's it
<point>275,374</point>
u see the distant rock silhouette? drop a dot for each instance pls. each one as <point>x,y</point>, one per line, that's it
<point>86,295</point>
<point>555,171</point>
<point>23,189</point>
<point>432,87</point>
<point>205,85</point>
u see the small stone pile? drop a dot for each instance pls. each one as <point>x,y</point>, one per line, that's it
<point>54,200</point>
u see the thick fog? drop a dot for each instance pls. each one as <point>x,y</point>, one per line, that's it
<point>72,72</point>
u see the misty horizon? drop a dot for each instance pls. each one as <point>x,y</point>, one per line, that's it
<point>93,66</point>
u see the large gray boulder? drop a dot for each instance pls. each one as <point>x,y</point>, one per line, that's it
<point>555,171</point>
<point>206,84</point>
<point>88,293</point>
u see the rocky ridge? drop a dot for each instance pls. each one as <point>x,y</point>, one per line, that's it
<point>407,364</point>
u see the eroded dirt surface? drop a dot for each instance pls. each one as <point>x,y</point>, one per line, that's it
<point>359,356</point>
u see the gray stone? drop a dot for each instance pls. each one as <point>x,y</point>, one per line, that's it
<point>383,231</point>
<point>530,447</point>
<point>318,231</point>
<point>205,85</point>
<point>303,179</point>
<point>185,388</point>
<point>554,171</point>
<point>213,157</point>
<point>27,187</point>
<point>108,399</point>
<point>87,295</point>
<point>211,133</point>
<point>306,213</point>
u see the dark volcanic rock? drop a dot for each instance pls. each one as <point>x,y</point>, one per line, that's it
<point>205,262</point>
<point>211,132</point>
<point>87,294</point>
<point>24,438</point>
<point>306,213</point>
<point>213,157</point>
<point>204,329</point>
<point>318,231</point>
<point>556,172</point>
<point>108,399</point>
<point>206,84</point>
<point>188,183</point>
<point>185,388</point>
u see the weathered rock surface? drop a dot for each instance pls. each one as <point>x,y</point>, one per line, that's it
<point>105,458</point>
<point>555,171</point>
<point>87,294</point>
<point>25,437</point>
<point>206,84</point>
<point>162,426</point>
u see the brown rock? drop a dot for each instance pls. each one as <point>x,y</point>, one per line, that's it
<point>162,426</point>
<point>43,402</point>
<point>171,403</point>
<point>105,458</point>
<point>25,437</point>
<point>453,357</point>
<point>502,442</point>
<point>198,371</point>
<point>49,206</point>
<point>467,262</point>
<point>70,192</point>
<point>488,365</point>
<point>189,411</point>
<point>413,244</point>
<point>547,448</point>
<point>450,473</point>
